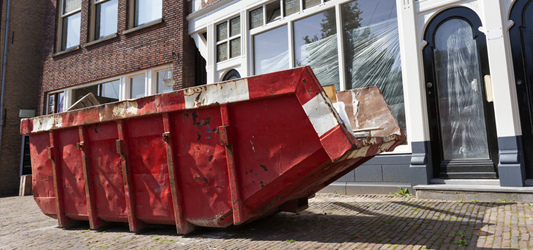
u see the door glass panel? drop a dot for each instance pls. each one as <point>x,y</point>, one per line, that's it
<point>528,39</point>
<point>460,92</point>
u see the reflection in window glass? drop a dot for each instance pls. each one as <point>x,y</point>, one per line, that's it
<point>60,101</point>
<point>162,75</point>
<point>222,31</point>
<point>222,52</point>
<point>106,19</point>
<point>372,51</point>
<point>104,93</point>
<point>311,3</point>
<point>147,11</point>
<point>256,18</point>
<point>235,26</point>
<point>291,6</point>
<point>71,31</point>
<point>137,87</point>
<point>271,51</point>
<point>235,47</point>
<point>51,103</point>
<point>315,44</point>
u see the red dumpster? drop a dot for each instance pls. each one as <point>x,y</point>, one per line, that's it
<point>207,156</point>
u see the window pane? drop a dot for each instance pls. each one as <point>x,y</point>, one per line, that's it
<point>51,103</point>
<point>311,3</point>
<point>222,52</point>
<point>60,100</point>
<point>315,44</point>
<point>256,18</point>
<point>235,47</point>
<point>372,51</point>
<point>291,6</point>
<point>110,92</point>
<point>162,75</point>
<point>71,31</point>
<point>106,18</point>
<point>147,11</point>
<point>222,31</point>
<point>271,51</point>
<point>71,5</point>
<point>235,26</point>
<point>137,87</point>
<point>81,92</point>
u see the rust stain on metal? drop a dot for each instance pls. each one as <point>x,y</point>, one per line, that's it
<point>263,167</point>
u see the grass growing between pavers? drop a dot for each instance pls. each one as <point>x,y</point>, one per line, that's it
<point>331,222</point>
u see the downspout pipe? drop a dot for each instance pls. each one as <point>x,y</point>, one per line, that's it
<point>4,72</point>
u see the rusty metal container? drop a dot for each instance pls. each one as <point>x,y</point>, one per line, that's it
<point>207,156</point>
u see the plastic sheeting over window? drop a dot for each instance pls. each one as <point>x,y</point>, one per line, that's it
<point>315,44</point>
<point>460,92</point>
<point>271,51</point>
<point>372,51</point>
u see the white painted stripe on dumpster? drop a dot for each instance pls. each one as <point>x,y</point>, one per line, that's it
<point>320,114</point>
<point>45,123</point>
<point>226,92</point>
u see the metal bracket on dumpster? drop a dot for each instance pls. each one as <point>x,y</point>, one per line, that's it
<point>80,145</point>
<point>224,139</point>
<point>119,147</point>
<point>166,137</point>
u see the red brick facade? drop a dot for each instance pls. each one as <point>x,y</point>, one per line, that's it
<point>21,82</point>
<point>165,43</point>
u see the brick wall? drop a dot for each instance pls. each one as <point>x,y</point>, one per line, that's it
<point>21,82</point>
<point>164,43</point>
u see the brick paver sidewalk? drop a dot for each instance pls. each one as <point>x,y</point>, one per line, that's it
<point>331,222</point>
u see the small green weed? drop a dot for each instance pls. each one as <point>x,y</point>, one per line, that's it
<point>461,243</point>
<point>291,241</point>
<point>505,200</point>
<point>462,234</point>
<point>474,201</point>
<point>403,192</point>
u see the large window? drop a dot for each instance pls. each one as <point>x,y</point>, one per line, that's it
<point>271,51</point>
<point>70,20</point>
<point>228,39</point>
<point>105,18</point>
<point>104,93</point>
<point>370,53</point>
<point>315,44</point>
<point>146,11</point>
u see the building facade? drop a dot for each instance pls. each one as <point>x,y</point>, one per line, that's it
<point>455,73</point>
<point>114,49</point>
<point>20,56</point>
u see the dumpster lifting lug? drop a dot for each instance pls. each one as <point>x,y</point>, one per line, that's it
<point>166,137</point>
<point>80,145</point>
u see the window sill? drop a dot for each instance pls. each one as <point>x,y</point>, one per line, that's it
<point>103,39</point>
<point>146,25</point>
<point>66,51</point>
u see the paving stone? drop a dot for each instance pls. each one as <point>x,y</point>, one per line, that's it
<point>330,222</point>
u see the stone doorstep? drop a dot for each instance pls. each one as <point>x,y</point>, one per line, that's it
<point>474,192</point>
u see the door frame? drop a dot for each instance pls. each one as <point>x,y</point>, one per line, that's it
<point>458,168</point>
<point>524,100</point>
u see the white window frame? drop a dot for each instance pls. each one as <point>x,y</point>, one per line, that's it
<point>62,16</point>
<point>154,78</point>
<point>228,39</point>
<point>65,101</point>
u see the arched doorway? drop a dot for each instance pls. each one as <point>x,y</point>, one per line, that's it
<point>521,35</point>
<point>461,117</point>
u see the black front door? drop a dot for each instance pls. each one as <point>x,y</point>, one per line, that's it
<point>460,110</point>
<point>521,35</point>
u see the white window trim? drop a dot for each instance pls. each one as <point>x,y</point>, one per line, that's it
<point>60,24</point>
<point>150,85</point>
